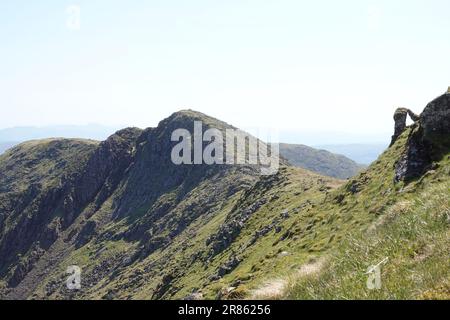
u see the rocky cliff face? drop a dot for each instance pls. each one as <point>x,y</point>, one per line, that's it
<point>428,139</point>
<point>62,193</point>
<point>35,185</point>
<point>77,174</point>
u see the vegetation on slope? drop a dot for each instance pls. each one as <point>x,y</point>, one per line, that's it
<point>412,234</point>
<point>141,227</point>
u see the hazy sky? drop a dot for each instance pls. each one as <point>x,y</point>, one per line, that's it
<point>300,65</point>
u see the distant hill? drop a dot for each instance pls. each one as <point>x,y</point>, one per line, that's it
<point>320,161</point>
<point>361,153</point>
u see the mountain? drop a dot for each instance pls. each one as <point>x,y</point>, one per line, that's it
<point>361,153</point>
<point>320,161</point>
<point>302,156</point>
<point>60,195</point>
<point>141,227</point>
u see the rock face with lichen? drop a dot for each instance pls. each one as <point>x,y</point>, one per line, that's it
<point>428,137</point>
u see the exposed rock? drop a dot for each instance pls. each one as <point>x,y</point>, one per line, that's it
<point>284,254</point>
<point>105,168</point>
<point>400,116</point>
<point>85,234</point>
<point>339,198</point>
<point>232,228</point>
<point>356,185</point>
<point>194,296</point>
<point>435,118</point>
<point>415,160</point>
<point>286,235</point>
<point>285,214</point>
<point>229,266</point>
<point>163,286</point>
<point>427,138</point>
<point>25,265</point>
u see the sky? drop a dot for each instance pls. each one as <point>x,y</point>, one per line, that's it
<point>338,67</point>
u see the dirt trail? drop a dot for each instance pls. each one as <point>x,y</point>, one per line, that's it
<point>276,288</point>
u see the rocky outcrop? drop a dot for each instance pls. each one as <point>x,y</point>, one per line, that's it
<point>400,116</point>
<point>435,118</point>
<point>70,190</point>
<point>105,168</point>
<point>428,140</point>
<point>232,227</point>
<point>416,159</point>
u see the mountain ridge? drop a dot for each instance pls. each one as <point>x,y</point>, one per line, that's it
<point>141,227</point>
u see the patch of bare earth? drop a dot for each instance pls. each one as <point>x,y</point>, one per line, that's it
<point>276,288</point>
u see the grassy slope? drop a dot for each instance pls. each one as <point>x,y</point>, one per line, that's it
<point>413,235</point>
<point>42,162</point>
<point>350,226</point>
<point>412,232</point>
<point>332,223</point>
<point>316,230</point>
<point>140,280</point>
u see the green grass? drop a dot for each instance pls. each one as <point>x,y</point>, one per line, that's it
<point>413,234</point>
<point>322,213</point>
